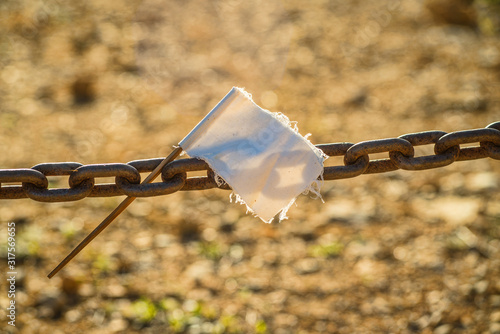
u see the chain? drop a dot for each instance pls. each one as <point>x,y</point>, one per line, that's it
<point>34,182</point>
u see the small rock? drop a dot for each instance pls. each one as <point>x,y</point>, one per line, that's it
<point>114,291</point>
<point>480,182</point>
<point>86,290</point>
<point>200,269</point>
<point>489,57</point>
<point>307,266</point>
<point>495,317</point>
<point>495,328</point>
<point>481,286</point>
<point>443,329</point>
<point>452,209</point>
<point>72,315</point>
<point>163,240</point>
<point>495,300</point>
<point>366,249</point>
<point>117,325</point>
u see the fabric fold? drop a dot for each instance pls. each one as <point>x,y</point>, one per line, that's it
<point>266,162</point>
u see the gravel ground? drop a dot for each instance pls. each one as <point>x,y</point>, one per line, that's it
<point>115,81</point>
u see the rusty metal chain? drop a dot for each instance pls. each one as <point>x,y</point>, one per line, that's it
<point>35,185</point>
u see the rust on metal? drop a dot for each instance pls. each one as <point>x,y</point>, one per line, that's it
<point>33,182</point>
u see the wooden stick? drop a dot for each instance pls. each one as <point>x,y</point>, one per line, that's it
<point>116,212</point>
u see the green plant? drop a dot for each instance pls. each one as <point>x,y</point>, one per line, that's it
<point>144,309</point>
<point>210,250</point>
<point>261,327</point>
<point>331,249</point>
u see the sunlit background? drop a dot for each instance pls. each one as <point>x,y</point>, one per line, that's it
<point>115,81</point>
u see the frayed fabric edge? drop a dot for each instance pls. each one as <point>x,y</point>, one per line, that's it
<point>314,187</point>
<point>282,212</point>
<point>239,200</point>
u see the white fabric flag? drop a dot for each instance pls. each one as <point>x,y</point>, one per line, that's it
<point>266,162</point>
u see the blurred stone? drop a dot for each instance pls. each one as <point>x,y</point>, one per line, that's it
<point>117,325</point>
<point>72,315</point>
<point>494,328</point>
<point>86,290</point>
<point>486,181</point>
<point>465,235</point>
<point>495,300</point>
<point>489,57</point>
<point>443,329</point>
<point>423,322</point>
<point>256,284</point>
<point>349,211</point>
<point>495,316</point>
<point>277,297</point>
<point>114,291</point>
<point>493,208</point>
<point>200,269</point>
<point>481,270</point>
<point>163,240</point>
<point>452,209</point>
<point>371,271</point>
<point>395,189</point>
<point>368,248</point>
<point>140,208</point>
<point>481,286</point>
<point>307,266</point>
<point>142,241</point>
<point>425,252</point>
<point>199,294</point>
<point>377,306</point>
<point>285,320</point>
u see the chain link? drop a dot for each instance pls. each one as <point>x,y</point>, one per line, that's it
<point>35,185</point>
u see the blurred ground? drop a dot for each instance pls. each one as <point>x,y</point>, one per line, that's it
<point>115,81</point>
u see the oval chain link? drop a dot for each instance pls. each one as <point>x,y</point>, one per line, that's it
<point>427,161</point>
<point>493,150</point>
<point>35,185</point>
<point>43,194</point>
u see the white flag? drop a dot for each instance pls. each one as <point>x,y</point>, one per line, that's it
<point>266,162</point>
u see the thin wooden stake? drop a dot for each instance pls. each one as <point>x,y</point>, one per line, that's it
<point>116,212</point>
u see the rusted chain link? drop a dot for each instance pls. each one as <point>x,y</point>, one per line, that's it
<point>35,185</point>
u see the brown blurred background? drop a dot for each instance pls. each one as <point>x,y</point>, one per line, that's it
<point>115,81</point>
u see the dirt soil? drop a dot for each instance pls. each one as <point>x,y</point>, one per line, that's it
<point>115,81</point>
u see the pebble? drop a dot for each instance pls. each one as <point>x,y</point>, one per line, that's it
<point>481,286</point>
<point>495,300</point>
<point>72,315</point>
<point>495,317</point>
<point>443,329</point>
<point>452,209</point>
<point>200,269</point>
<point>494,328</point>
<point>478,182</point>
<point>114,290</point>
<point>117,325</point>
<point>307,266</point>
